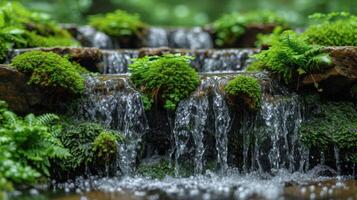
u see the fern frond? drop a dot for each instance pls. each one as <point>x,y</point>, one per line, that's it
<point>9,117</point>
<point>46,119</point>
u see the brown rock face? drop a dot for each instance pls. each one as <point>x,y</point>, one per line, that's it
<point>87,57</point>
<point>23,98</point>
<point>339,78</point>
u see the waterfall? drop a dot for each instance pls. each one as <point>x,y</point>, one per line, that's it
<point>114,103</point>
<point>191,121</point>
<point>270,137</point>
<point>222,125</point>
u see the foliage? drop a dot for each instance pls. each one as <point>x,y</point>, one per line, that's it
<point>20,27</point>
<point>168,78</point>
<point>246,87</point>
<point>26,146</point>
<point>118,23</point>
<point>334,29</point>
<point>255,67</point>
<point>290,55</point>
<point>265,40</point>
<point>333,123</point>
<point>230,27</point>
<point>48,69</point>
<point>105,145</point>
<point>85,140</point>
<point>156,171</point>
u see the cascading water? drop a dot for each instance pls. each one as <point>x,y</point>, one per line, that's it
<point>117,62</point>
<point>194,38</point>
<point>157,37</point>
<point>192,117</point>
<point>115,104</point>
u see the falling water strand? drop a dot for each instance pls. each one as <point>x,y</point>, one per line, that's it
<point>195,38</point>
<point>222,125</point>
<point>115,104</point>
<point>190,121</point>
<point>157,37</point>
<point>117,62</point>
<point>337,159</point>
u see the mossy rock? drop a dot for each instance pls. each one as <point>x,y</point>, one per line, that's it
<point>50,70</point>
<point>165,80</point>
<point>245,88</point>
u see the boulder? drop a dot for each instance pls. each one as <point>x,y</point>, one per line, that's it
<point>23,98</point>
<point>339,78</point>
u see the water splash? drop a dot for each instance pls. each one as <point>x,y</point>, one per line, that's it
<point>114,103</point>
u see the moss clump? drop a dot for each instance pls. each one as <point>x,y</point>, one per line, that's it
<point>290,56</point>
<point>165,79</point>
<point>333,123</point>
<point>247,88</point>
<point>87,142</point>
<point>230,27</point>
<point>48,69</point>
<point>265,40</point>
<point>334,29</point>
<point>118,24</point>
<point>35,40</point>
<point>105,145</point>
<point>156,171</point>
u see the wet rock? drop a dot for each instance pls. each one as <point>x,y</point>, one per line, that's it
<point>87,57</point>
<point>24,98</point>
<point>339,78</point>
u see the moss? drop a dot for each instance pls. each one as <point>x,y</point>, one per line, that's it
<point>333,123</point>
<point>247,88</point>
<point>290,56</point>
<point>35,40</point>
<point>105,145</point>
<point>255,67</point>
<point>230,27</point>
<point>156,171</point>
<point>265,40</point>
<point>334,29</point>
<point>48,69</point>
<point>164,79</point>
<point>118,24</point>
<point>22,28</point>
<point>87,142</point>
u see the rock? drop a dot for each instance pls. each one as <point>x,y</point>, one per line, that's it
<point>23,98</point>
<point>340,77</point>
<point>87,57</point>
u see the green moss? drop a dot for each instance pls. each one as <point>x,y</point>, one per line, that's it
<point>35,40</point>
<point>255,67</point>
<point>118,23</point>
<point>87,142</point>
<point>334,123</point>
<point>334,29</point>
<point>230,27</point>
<point>156,171</point>
<point>48,69</point>
<point>290,56</point>
<point>247,88</point>
<point>167,79</point>
<point>21,28</point>
<point>265,40</point>
<point>105,145</point>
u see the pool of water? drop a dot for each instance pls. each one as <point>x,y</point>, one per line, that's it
<point>210,186</point>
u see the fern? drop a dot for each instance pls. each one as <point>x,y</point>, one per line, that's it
<point>46,119</point>
<point>290,56</point>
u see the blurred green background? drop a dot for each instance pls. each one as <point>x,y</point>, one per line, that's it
<point>185,12</point>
